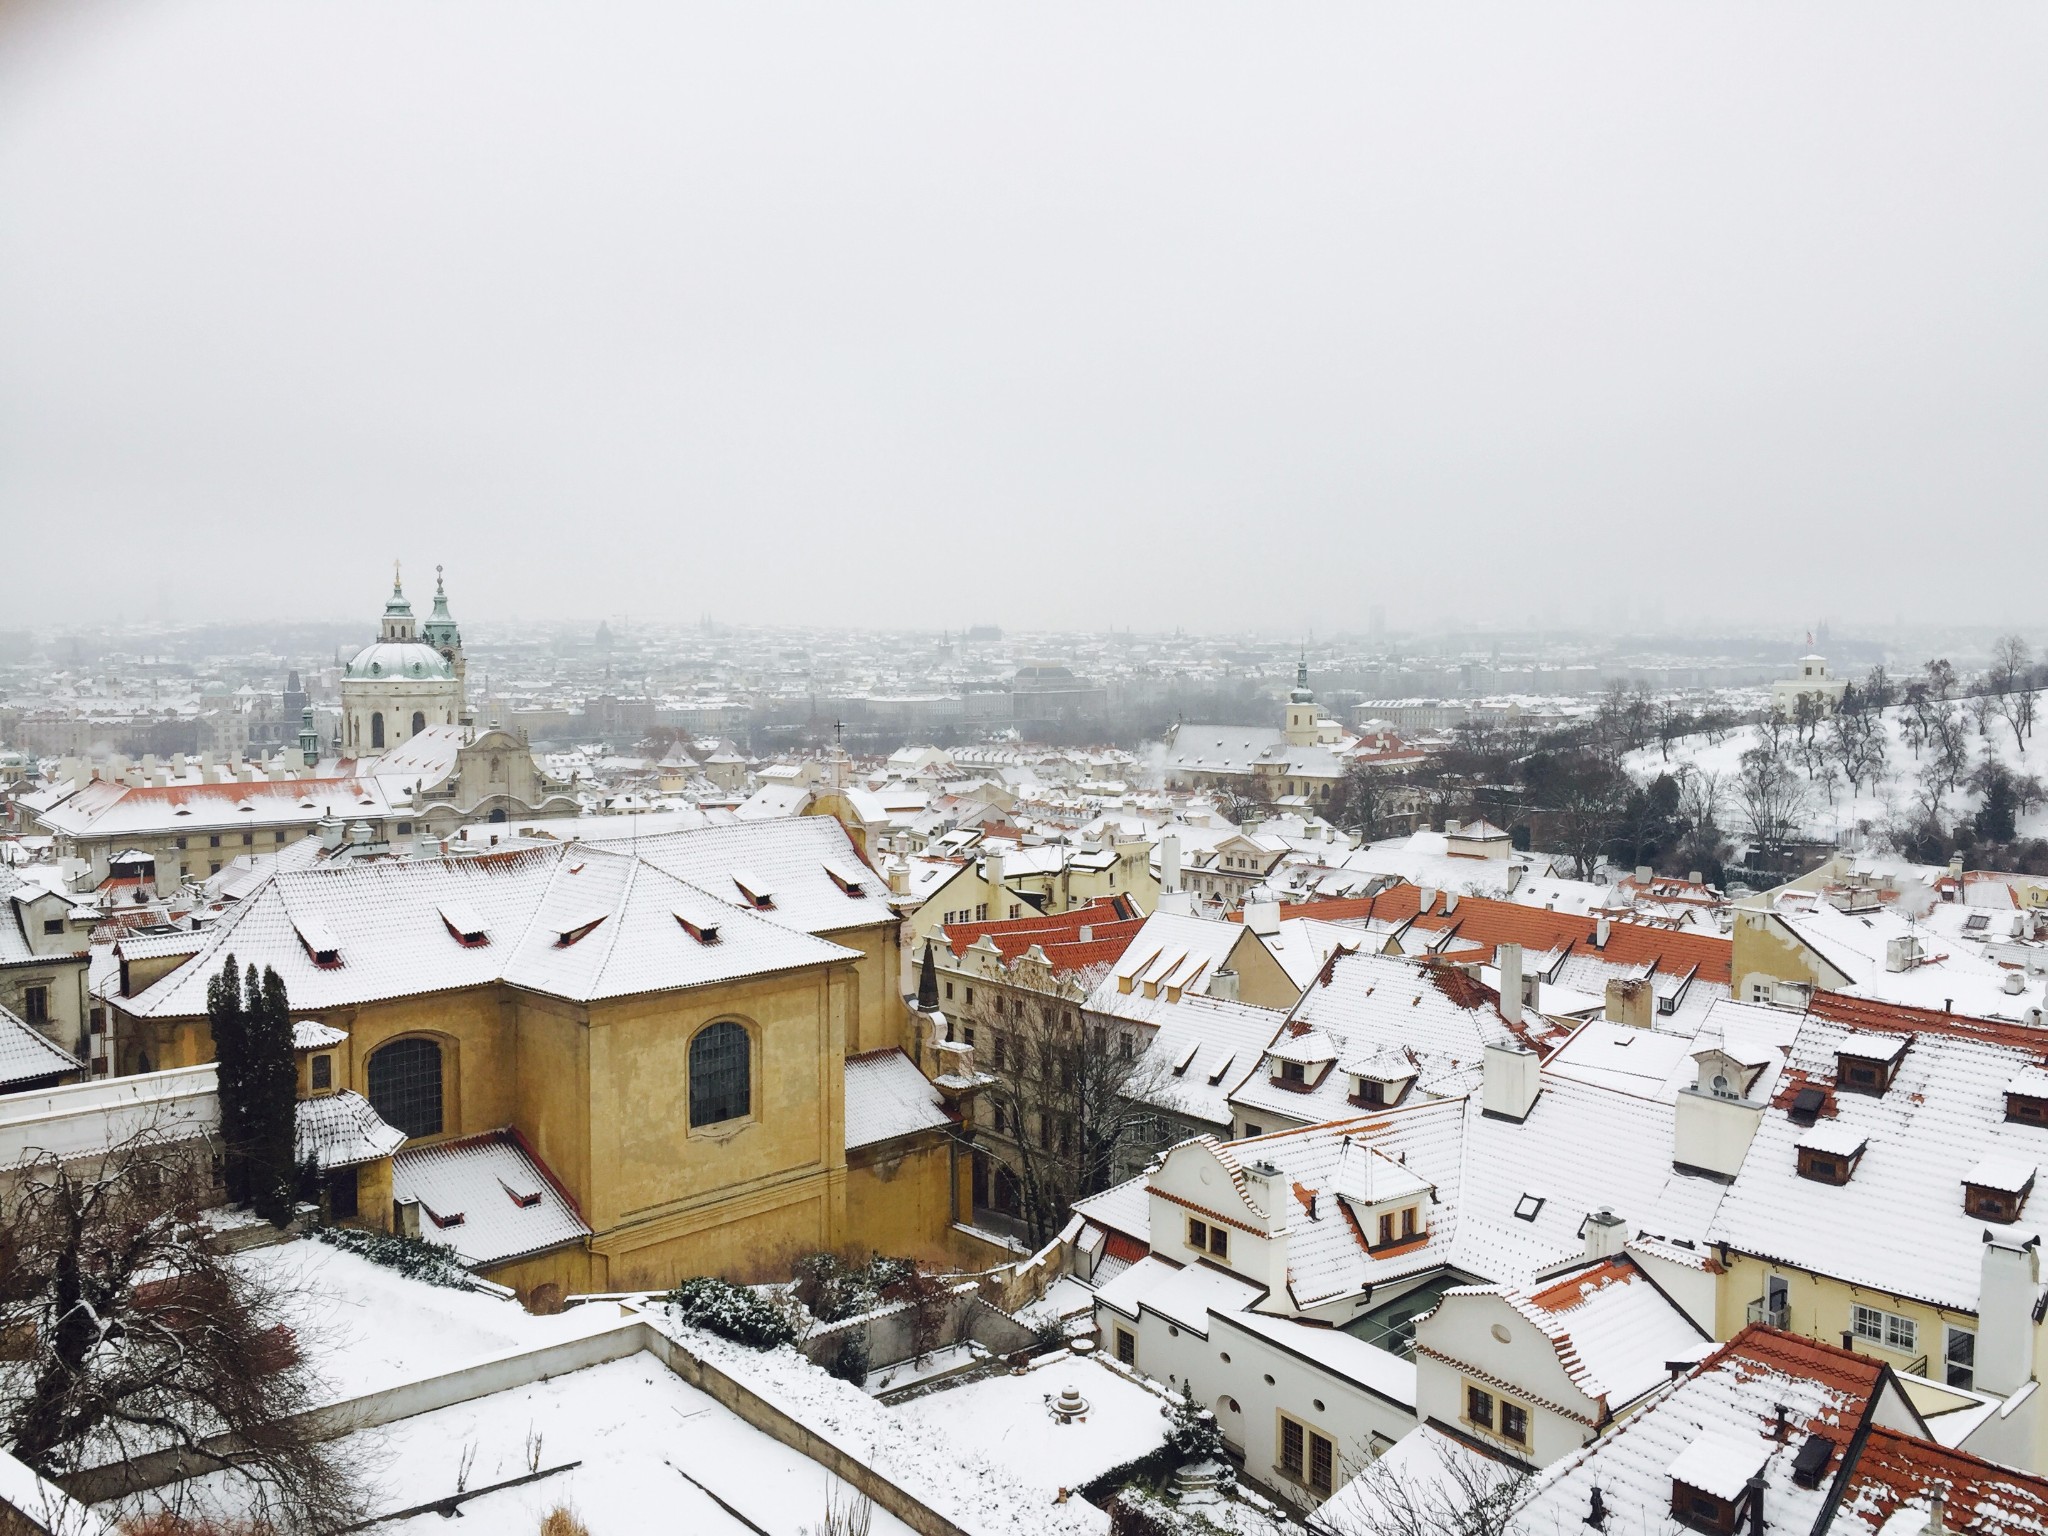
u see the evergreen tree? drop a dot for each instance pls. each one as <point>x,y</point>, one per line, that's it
<point>229,1020</point>
<point>273,1098</point>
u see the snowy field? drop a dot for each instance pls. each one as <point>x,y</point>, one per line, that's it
<point>1893,798</point>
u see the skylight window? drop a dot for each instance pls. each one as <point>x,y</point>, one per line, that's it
<point>464,924</point>
<point>701,926</point>
<point>847,881</point>
<point>321,944</point>
<point>1529,1207</point>
<point>569,932</point>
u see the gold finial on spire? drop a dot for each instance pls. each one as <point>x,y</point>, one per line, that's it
<point>395,584</point>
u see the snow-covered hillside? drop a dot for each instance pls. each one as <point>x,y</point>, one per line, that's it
<point>1894,797</point>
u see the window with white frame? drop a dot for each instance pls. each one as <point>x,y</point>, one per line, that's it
<point>1886,1328</point>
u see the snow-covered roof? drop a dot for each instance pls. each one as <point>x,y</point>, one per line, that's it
<point>887,1097</point>
<point>487,1197</point>
<point>1942,1114</point>
<point>572,921</point>
<point>1201,1050</point>
<point>339,1130</point>
<point>817,881</point>
<point>27,1054</point>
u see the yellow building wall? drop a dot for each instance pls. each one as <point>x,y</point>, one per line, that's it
<point>899,1200</point>
<point>1261,980</point>
<point>1762,947</point>
<point>1818,1308</point>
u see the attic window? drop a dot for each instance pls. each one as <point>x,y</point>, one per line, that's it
<point>1829,1154</point>
<point>847,881</point>
<point>1529,1207</point>
<point>464,924</point>
<point>699,926</point>
<point>452,1219</point>
<point>245,806</point>
<point>321,944</point>
<point>569,933</point>
<point>2026,1108</point>
<point>1180,1068</point>
<point>1217,1076</point>
<point>1868,1063</point>
<point>1977,922</point>
<point>757,891</point>
<point>526,1200</point>
<point>1996,1189</point>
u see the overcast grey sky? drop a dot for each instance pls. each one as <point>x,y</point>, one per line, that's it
<point>1045,314</point>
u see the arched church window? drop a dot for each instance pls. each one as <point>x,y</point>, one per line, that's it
<point>377,728</point>
<point>721,1074</point>
<point>405,1085</point>
<point>419,722</point>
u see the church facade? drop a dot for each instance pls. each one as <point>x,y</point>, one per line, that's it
<point>405,680</point>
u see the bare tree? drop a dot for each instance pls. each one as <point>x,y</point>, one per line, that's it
<point>1067,1096</point>
<point>1356,805</point>
<point>1772,800</point>
<point>1948,755</point>
<point>1879,692</point>
<point>1856,740</point>
<point>2007,687</point>
<point>1462,1494</point>
<point>131,1334</point>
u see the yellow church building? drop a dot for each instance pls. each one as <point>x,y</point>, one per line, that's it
<point>612,1065</point>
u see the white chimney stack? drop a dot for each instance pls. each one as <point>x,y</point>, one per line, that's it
<point>1601,928</point>
<point>1606,1234</point>
<point>1223,984</point>
<point>1169,863</point>
<point>2009,1275</point>
<point>1511,983</point>
<point>1513,1080</point>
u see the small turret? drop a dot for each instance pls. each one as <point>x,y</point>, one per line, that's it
<point>398,620</point>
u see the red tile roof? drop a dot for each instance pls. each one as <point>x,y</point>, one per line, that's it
<point>1897,1018</point>
<point>1111,921</point>
<point>1482,921</point>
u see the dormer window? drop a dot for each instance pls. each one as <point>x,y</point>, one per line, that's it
<point>1293,1075</point>
<point>1996,1189</point>
<point>2026,1097</point>
<point>1828,1154</point>
<point>1710,1483</point>
<point>1867,1063</point>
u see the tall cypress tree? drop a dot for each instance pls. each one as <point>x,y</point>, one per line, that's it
<point>226,1013</point>
<point>274,1101</point>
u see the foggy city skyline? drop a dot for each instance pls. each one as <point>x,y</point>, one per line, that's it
<point>916,318</point>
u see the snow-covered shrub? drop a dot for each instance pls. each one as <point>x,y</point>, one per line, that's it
<point>730,1311</point>
<point>848,1359</point>
<point>412,1257</point>
<point>1193,1434</point>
